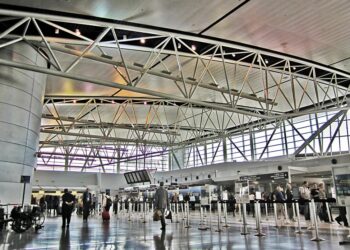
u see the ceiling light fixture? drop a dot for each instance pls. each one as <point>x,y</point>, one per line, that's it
<point>233,55</point>
<point>77,31</point>
<point>266,61</point>
<point>193,47</point>
<point>179,45</point>
<point>143,41</point>
<point>145,103</point>
<point>74,101</point>
<point>57,31</point>
<point>125,37</point>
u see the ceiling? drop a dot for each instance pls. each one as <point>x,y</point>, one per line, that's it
<point>309,30</point>
<point>316,30</point>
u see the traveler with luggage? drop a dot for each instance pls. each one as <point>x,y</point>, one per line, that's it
<point>161,202</point>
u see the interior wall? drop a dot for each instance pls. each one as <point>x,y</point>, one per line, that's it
<point>218,172</point>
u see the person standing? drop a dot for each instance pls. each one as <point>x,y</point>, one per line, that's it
<point>161,202</point>
<point>305,197</point>
<point>67,207</point>
<point>87,201</point>
<point>289,199</point>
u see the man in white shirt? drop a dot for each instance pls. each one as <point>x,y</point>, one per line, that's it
<point>305,195</point>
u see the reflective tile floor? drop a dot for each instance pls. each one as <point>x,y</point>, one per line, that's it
<point>123,234</point>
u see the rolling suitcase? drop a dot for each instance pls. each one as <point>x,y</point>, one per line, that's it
<point>105,215</point>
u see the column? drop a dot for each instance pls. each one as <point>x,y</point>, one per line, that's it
<point>21,98</point>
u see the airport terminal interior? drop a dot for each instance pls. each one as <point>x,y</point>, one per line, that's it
<point>173,124</point>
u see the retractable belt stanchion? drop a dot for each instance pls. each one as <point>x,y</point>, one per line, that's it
<point>225,214</point>
<point>219,217</point>
<point>328,212</point>
<point>144,212</point>
<point>182,205</point>
<point>239,212</point>
<point>129,210</point>
<point>256,216</point>
<point>117,209</point>
<point>313,214</point>
<point>298,218</point>
<point>312,226</point>
<point>258,219</point>
<point>210,219</point>
<point>286,214</point>
<point>266,212</point>
<point>202,224</point>
<point>275,213</point>
<point>177,212</point>
<point>188,215</point>
<point>294,214</point>
<point>245,230</point>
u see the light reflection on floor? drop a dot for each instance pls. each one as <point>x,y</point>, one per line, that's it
<point>122,234</point>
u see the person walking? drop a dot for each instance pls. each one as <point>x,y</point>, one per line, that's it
<point>161,202</point>
<point>87,201</point>
<point>67,207</point>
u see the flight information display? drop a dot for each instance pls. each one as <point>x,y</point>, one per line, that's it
<point>139,176</point>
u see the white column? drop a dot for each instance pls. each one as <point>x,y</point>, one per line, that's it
<point>21,98</point>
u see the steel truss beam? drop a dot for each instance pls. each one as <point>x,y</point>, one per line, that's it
<point>285,86</point>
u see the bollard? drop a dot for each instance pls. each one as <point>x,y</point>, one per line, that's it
<point>317,237</point>
<point>266,212</point>
<point>258,219</point>
<point>298,218</point>
<point>275,214</point>
<point>219,218</point>
<point>245,229</point>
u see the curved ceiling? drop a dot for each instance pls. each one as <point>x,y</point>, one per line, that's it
<point>314,30</point>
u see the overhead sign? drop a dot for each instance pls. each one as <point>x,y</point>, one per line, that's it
<point>265,177</point>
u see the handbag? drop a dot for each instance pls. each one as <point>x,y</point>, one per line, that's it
<point>157,215</point>
<point>168,215</point>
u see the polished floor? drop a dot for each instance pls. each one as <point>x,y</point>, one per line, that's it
<point>120,233</point>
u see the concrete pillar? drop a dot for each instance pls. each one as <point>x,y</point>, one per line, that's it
<point>21,98</point>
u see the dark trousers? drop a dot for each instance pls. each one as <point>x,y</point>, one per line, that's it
<point>162,218</point>
<point>342,216</point>
<point>66,215</point>
<point>86,211</point>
